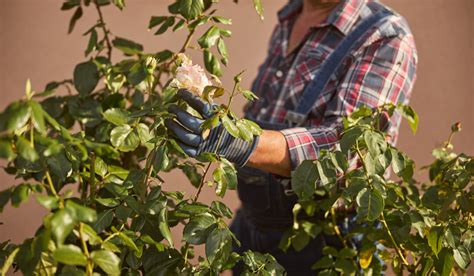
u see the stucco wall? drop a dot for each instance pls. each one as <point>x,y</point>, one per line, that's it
<point>34,44</point>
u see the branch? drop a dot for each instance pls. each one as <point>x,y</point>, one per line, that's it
<point>202,182</point>
<point>395,244</point>
<point>106,32</point>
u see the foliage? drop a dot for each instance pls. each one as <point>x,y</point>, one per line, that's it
<point>105,137</point>
<point>420,228</point>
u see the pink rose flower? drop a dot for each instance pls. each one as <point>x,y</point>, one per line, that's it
<point>189,76</point>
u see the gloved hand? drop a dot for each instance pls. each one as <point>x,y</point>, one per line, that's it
<point>189,133</point>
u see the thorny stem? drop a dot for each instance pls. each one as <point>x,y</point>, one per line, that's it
<point>106,32</point>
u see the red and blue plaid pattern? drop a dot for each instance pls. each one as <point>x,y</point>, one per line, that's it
<point>382,70</point>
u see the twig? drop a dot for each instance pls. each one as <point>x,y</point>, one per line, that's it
<point>90,265</point>
<point>202,182</point>
<point>51,186</point>
<point>397,249</point>
<point>106,32</point>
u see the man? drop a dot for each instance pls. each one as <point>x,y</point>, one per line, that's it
<point>302,69</point>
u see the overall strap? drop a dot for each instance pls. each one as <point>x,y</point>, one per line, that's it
<point>313,89</point>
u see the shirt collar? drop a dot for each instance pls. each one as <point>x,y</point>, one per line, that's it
<point>344,16</point>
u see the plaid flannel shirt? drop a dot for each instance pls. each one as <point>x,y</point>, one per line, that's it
<point>382,70</point>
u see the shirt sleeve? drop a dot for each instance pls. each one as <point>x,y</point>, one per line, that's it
<point>383,73</point>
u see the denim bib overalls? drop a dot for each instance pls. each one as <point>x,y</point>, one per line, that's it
<point>267,201</point>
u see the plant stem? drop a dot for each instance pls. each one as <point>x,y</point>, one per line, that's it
<point>187,41</point>
<point>448,142</point>
<point>106,32</point>
<point>51,186</point>
<point>359,153</point>
<point>336,227</point>
<point>92,178</point>
<point>395,244</point>
<point>202,182</point>
<point>90,265</point>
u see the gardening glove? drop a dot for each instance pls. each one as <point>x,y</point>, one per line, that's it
<point>187,130</point>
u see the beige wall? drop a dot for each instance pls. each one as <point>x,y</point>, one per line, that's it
<point>34,44</point>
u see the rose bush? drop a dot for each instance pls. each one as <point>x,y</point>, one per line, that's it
<point>109,143</point>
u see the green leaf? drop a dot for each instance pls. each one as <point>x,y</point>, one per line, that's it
<point>349,138</point>
<point>156,20</point>
<point>103,221</point>
<point>221,209</point>
<point>345,267</point>
<point>445,262</point>
<point>222,20</point>
<point>37,117</point>
<point>221,186</point>
<point>136,179</point>
<point>210,123</point>
<point>125,138</point>
<point>100,166</point>
<point>20,194</point>
<point>198,228</point>
<point>244,131</point>
<point>128,47</point>
<point>48,202</point>
<point>117,116</point>
<point>81,213</point>
<point>9,261</point>
<point>166,25</point>
<point>145,135</point>
<point>107,261</point>
<point>210,37</point>
<point>304,180</point>
<point>70,255</point>
<point>249,95</point>
<point>230,173</point>
<point>17,115</point>
<point>370,204</point>
<point>462,256</point>
<point>92,45</point>
<point>164,227</point>
<point>108,202</point>
<point>138,73</point>
<point>218,246</point>
<point>86,77</point>
<point>375,143</point>
<point>230,126</point>
<point>26,150</point>
<point>410,115</point>
<point>212,63</point>
<point>258,7</point>
<point>162,159</point>
<point>339,160</point>
<point>300,240</point>
<point>190,9</point>
<point>435,239</point>
<point>62,224</point>
<point>6,150</point>
<point>324,262</point>
<point>119,4</point>
<point>128,241</point>
<point>76,16</point>
<point>5,197</point>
